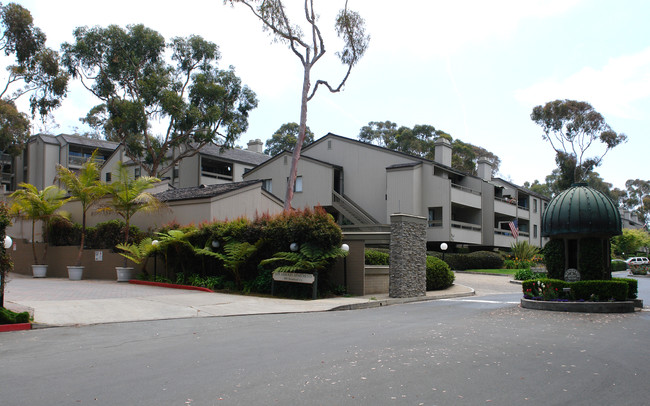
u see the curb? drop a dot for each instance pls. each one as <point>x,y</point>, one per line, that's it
<point>582,307</point>
<point>169,285</point>
<point>15,327</point>
<point>393,301</point>
<point>484,273</point>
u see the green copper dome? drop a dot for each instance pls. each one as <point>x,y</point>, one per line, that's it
<point>581,210</point>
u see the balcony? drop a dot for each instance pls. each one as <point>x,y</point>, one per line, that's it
<point>503,238</point>
<point>505,206</point>
<point>76,160</point>
<point>465,196</point>
<point>466,233</point>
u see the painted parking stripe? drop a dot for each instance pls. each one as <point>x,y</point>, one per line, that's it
<point>479,301</point>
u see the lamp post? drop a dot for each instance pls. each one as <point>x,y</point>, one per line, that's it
<point>8,242</point>
<point>155,258</point>
<point>345,248</point>
<point>443,247</point>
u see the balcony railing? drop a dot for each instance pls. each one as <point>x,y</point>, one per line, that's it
<point>80,160</point>
<point>465,189</point>
<point>435,223</point>
<point>465,226</point>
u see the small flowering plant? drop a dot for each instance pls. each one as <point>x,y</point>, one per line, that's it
<point>543,291</point>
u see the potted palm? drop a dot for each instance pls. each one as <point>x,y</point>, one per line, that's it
<point>128,196</point>
<point>87,189</point>
<point>32,204</point>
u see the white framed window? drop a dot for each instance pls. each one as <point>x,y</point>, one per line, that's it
<point>297,188</point>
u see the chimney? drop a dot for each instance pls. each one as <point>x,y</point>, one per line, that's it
<point>442,151</point>
<point>256,146</point>
<point>484,169</point>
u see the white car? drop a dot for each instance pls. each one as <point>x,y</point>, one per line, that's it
<point>637,261</point>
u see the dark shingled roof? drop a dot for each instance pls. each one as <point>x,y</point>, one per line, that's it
<point>203,191</point>
<point>235,154</point>
<point>581,210</point>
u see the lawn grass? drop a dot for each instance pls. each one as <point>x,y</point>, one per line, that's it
<point>496,271</point>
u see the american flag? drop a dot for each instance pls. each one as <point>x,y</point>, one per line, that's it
<point>514,228</point>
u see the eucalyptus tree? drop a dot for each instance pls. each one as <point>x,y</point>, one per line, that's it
<point>285,138</point>
<point>420,141</point>
<point>572,127</point>
<point>160,111</point>
<point>35,72</point>
<point>310,48</point>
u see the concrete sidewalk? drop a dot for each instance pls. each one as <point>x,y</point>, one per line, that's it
<point>61,302</point>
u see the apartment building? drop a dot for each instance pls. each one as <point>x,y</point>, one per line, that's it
<point>362,185</point>
<point>37,163</point>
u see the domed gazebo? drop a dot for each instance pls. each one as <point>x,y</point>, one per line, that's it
<point>580,221</point>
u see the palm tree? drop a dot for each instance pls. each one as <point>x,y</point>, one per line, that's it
<point>128,196</point>
<point>86,188</point>
<point>34,205</point>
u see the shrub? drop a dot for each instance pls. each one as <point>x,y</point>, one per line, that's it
<point>439,276</point>
<point>374,257</point>
<point>523,274</point>
<point>553,253</point>
<point>62,231</point>
<point>618,266</point>
<point>632,286</point>
<point>108,234</point>
<point>475,260</point>
<point>523,251</point>
<point>9,317</point>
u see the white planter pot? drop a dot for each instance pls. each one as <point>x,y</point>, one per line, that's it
<point>75,273</point>
<point>39,271</point>
<point>124,274</point>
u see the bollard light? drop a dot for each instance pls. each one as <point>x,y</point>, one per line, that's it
<point>443,247</point>
<point>8,242</point>
<point>215,244</point>
<point>293,247</point>
<point>345,247</point>
<point>155,242</point>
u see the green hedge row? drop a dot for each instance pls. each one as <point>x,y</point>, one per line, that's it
<point>475,260</point>
<point>376,257</point>
<point>619,289</point>
<point>104,235</point>
<point>9,317</point>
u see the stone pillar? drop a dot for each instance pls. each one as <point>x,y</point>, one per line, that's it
<point>408,256</point>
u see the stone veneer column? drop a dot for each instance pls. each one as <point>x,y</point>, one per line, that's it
<point>408,256</point>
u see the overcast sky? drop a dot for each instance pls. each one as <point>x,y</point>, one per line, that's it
<point>472,68</point>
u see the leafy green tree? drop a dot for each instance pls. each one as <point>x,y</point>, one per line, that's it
<point>35,205</point>
<point>539,188</point>
<point>309,49</point>
<point>14,129</point>
<point>84,187</point>
<point>419,141</point>
<point>36,70</point>
<point>572,127</point>
<point>636,198</point>
<point>285,138</point>
<point>193,101</point>
<point>630,242</point>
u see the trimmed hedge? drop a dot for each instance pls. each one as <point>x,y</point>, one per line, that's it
<point>374,257</point>
<point>632,286</point>
<point>9,317</point>
<point>439,276</point>
<point>474,260</point>
<point>618,266</point>
<point>104,235</point>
